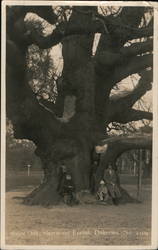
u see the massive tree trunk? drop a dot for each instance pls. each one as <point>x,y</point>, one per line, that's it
<point>85,107</point>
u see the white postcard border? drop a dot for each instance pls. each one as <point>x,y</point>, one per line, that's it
<point>154,244</point>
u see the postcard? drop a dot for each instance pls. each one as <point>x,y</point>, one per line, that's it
<point>79,125</point>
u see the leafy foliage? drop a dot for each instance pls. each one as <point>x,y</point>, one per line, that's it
<point>40,67</point>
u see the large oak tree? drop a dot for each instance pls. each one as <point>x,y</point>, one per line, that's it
<point>125,48</point>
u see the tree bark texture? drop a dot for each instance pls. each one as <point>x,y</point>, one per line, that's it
<point>87,81</point>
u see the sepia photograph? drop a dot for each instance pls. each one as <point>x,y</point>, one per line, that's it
<point>79,122</point>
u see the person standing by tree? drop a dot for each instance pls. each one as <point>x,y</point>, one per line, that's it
<point>110,179</point>
<point>61,176</point>
<point>67,190</point>
<point>92,176</point>
<point>102,192</point>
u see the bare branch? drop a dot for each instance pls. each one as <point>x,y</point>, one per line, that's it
<point>45,12</point>
<point>124,27</point>
<point>141,32</point>
<point>63,30</point>
<point>137,48</point>
<point>121,105</point>
<point>15,20</point>
<point>135,65</point>
<point>129,98</point>
<point>108,58</point>
<point>136,115</point>
<point>129,115</point>
<point>131,18</point>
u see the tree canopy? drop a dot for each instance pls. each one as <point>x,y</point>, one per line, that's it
<point>67,125</point>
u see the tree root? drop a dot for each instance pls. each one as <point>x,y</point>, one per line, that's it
<point>126,197</point>
<point>44,195</point>
<point>85,197</point>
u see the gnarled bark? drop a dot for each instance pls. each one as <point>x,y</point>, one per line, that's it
<point>116,146</point>
<point>72,136</point>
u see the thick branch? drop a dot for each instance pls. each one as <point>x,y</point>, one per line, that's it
<point>108,58</point>
<point>63,30</point>
<point>131,18</point>
<point>115,146</point>
<point>137,48</point>
<point>136,115</point>
<point>141,32</point>
<point>111,67</point>
<point>129,98</point>
<point>128,115</point>
<point>45,12</point>
<point>15,19</point>
<point>120,106</point>
<point>122,28</point>
<point>135,65</point>
<point>30,120</point>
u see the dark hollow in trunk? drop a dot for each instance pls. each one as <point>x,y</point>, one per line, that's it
<point>70,136</point>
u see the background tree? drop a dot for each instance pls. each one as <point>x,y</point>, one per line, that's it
<point>77,119</point>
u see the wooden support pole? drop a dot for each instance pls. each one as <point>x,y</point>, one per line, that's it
<point>134,168</point>
<point>28,169</point>
<point>139,185</point>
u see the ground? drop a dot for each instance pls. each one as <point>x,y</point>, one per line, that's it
<point>128,224</point>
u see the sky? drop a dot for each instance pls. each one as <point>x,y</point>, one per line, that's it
<point>56,53</point>
<point>125,85</point>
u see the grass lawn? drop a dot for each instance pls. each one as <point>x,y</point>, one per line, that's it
<point>128,224</point>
